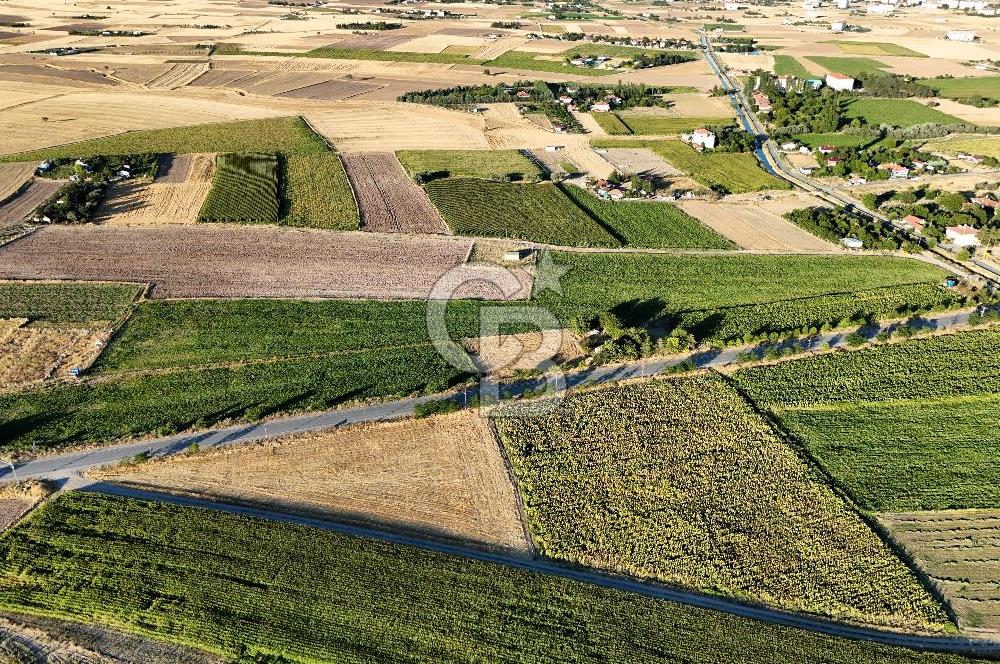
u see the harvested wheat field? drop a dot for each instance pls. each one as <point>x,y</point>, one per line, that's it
<point>175,197</point>
<point>758,225</point>
<point>13,177</point>
<point>640,161</point>
<point>35,354</point>
<point>960,551</point>
<point>387,127</point>
<point>388,200</point>
<point>251,261</point>
<point>440,476</point>
<point>21,206</point>
<point>17,499</point>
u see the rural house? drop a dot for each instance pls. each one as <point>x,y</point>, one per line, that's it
<point>839,82</point>
<point>962,236</point>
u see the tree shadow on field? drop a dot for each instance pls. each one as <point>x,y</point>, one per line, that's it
<point>14,429</point>
<point>284,203</point>
<point>633,313</point>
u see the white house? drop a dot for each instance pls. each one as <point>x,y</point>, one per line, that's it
<point>962,236</point>
<point>601,107</point>
<point>839,81</point>
<point>837,26</point>
<point>961,35</point>
<point>703,137</point>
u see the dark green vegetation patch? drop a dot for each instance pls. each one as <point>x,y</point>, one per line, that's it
<point>244,190</point>
<point>66,302</point>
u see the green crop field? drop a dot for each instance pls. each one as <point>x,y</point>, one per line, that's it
<point>189,333</point>
<point>286,135</point>
<point>66,302</point>
<point>787,65</point>
<point>895,112</point>
<point>853,67</point>
<point>484,164</point>
<point>904,426</point>
<point>966,88</point>
<point>875,48</point>
<point>726,172</point>
<point>535,212</point>
<point>250,588</point>
<point>644,124</point>
<point>317,193</point>
<point>556,63</point>
<point>650,480</point>
<point>786,291</point>
<point>244,190</point>
<point>648,224</point>
<point>725,27</point>
<point>611,124</point>
<point>837,140</point>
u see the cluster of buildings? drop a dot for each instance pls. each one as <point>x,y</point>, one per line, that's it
<point>962,236</point>
<point>594,61</point>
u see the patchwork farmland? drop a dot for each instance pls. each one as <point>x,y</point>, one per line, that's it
<point>381,332</point>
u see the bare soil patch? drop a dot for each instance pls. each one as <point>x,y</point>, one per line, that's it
<point>389,201</point>
<point>36,354</point>
<point>247,261</point>
<point>219,78</point>
<point>502,355</point>
<point>13,177</point>
<point>640,161</point>
<point>441,476</point>
<point>18,208</point>
<point>81,75</point>
<point>17,499</point>
<point>756,223</point>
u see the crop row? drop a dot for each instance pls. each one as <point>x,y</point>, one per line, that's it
<point>245,189</point>
<point>66,302</point>
<point>245,587</point>
<point>680,480</point>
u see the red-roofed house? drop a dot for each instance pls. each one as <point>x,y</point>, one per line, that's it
<point>914,222</point>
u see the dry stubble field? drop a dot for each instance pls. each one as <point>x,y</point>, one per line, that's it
<point>442,476</point>
<point>22,205</point>
<point>13,177</point>
<point>175,197</point>
<point>388,200</point>
<point>35,354</point>
<point>246,261</point>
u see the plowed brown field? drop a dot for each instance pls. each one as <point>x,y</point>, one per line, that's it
<point>22,205</point>
<point>242,261</point>
<point>388,200</point>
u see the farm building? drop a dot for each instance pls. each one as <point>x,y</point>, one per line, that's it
<point>762,101</point>
<point>961,35</point>
<point>601,107</point>
<point>839,81</point>
<point>962,236</point>
<point>914,222</point>
<point>702,139</point>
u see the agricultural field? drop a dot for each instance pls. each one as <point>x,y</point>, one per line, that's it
<point>980,145</point>
<point>13,177</point>
<point>33,354</point>
<point>68,303</point>
<point>286,135</point>
<point>768,293</point>
<point>968,88</point>
<point>648,124</point>
<point>317,193</point>
<point>244,190</point>
<point>388,200</point>
<point>611,123</point>
<point>207,260</point>
<point>485,164</point>
<point>837,140</point>
<point>296,587</point>
<point>176,196</point>
<point>384,56</point>
<point>787,65</point>
<point>648,224</point>
<point>957,549</point>
<point>441,476</point>
<point>853,67</point>
<point>556,63</point>
<point>907,426</point>
<point>724,172</point>
<point>534,212</point>
<point>875,48</point>
<point>660,498</point>
<point>895,112</point>
<point>21,206</point>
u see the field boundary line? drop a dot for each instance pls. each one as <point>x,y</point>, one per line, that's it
<point>514,484</point>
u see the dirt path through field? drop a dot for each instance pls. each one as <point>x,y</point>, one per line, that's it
<point>388,200</point>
